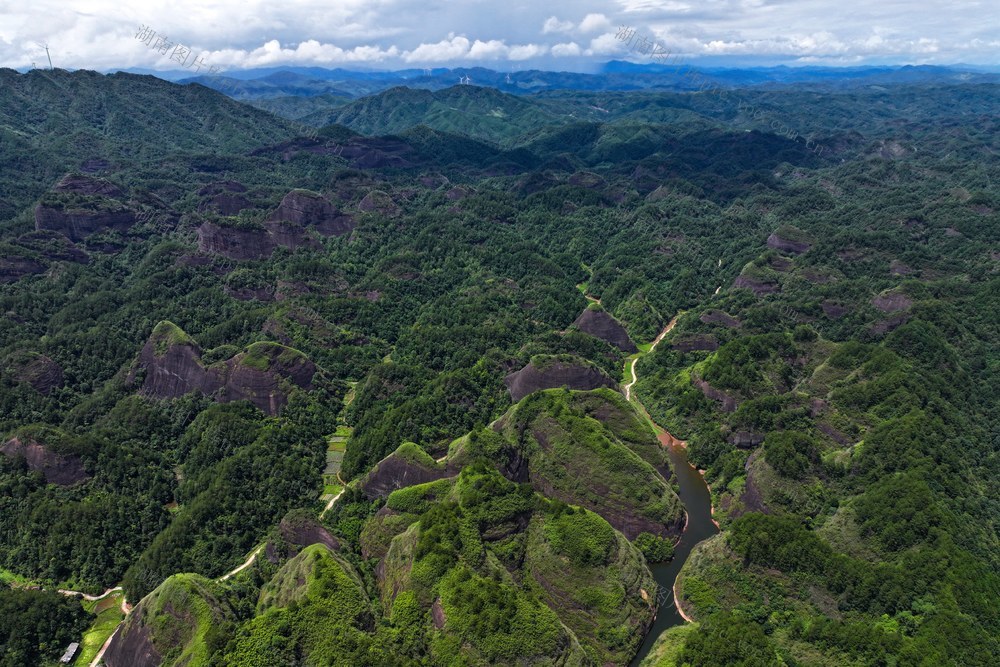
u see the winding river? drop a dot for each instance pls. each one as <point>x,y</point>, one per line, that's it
<point>697,500</point>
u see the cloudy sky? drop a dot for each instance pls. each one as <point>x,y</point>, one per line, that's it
<point>504,35</point>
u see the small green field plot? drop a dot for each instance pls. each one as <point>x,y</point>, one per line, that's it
<point>334,458</point>
<point>109,615</point>
<point>336,446</point>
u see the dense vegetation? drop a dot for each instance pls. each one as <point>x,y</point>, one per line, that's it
<point>36,626</point>
<point>834,372</point>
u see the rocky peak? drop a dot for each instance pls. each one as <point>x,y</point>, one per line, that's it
<point>310,209</point>
<point>264,374</point>
<point>554,372</point>
<point>601,324</point>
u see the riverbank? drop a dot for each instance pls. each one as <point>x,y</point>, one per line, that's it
<point>695,495</point>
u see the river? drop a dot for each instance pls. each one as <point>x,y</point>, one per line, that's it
<point>697,500</point>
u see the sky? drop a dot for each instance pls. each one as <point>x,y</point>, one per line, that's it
<point>504,35</point>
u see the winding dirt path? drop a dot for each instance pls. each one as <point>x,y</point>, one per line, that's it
<point>247,563</point>
<point>91,598</point>
<point>630,364</point>
<point>333,500</point>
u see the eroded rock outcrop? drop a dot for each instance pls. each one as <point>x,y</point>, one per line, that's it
<point>263,374</point>
<point>587,179</point>
<point>692,343</point>
<point>225,203</point>
<point>555,372</point>
<point>751,499</point>
<point>297,530</point>
<point>53,247</point>
<point>33,252</point>
<point>720,318</point>
<point>61,469</point>
<point>406,466</point>
<point>15,267</point>
<point>289,235</point>
<point>79,223</point>
<point>745,439</point>
<point>235,242</point>
<point>79,206</point>
<point>758,286</point>
<point>174,621</point>
<point>88,185</point>
<point>379,202</point>
<point>38,370</point>
<point>289,226</point>
<point>783,244</point>
<point>726,402</point>
<point>892,302</point>
<point>601,324</point>
<point>312,210</point>
<point>834,310</point>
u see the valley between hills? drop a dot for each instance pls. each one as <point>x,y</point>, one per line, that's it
<point>462,377</point>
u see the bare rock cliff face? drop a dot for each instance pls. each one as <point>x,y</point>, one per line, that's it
<point>757,285</point>
<point>106,212</point>
<point>234,243</point>
<point>88,185</point>
<point>289,235</point>
<point>38,370</point>
<point>601,324</point>
<point>133,646</point>
<point>698,342</point>
<point>265,388</point>
<point>787,245</point>
<point>225,203</point>
<point>289,226</point>
<point>61,469</point>
<point>726,402</point>
<point>721,318</point>
<point>310,210</point>
<point>263,375</point>
<point>175,371</point>
<point>79,224</point>
<point>297,532</point>
<point>14,268</point>
<point>553,375</point>
<point>397,472</point>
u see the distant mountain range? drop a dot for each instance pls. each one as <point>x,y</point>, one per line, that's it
<point>613,76</point>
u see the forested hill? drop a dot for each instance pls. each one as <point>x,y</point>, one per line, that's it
<point>367,368</point>
<point>54,121</point>
<point>480,112</point>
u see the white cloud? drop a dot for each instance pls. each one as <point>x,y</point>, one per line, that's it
<point>594,22</point>
<point>458,48</point>
<point>552,24</point>
<point>490,50</point>
<point>606,45</point>
<point>567,49</point>
<point>453,48</point>
<point>388,34</point>
<point>526,51</point>
<point>309,52</point>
